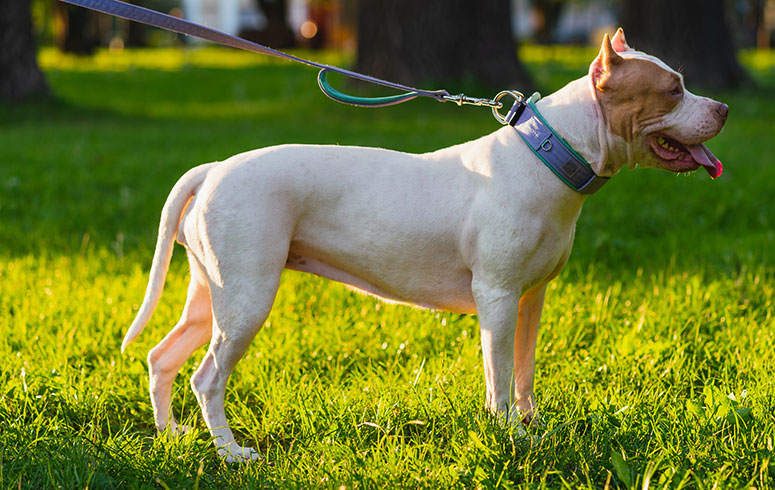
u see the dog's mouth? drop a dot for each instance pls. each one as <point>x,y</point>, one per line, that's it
<point>680,157</point>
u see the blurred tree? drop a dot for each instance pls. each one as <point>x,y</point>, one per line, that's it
<point>548,14</point>
<point>688,34</point>
<point>411,41</point>
<point>20,76</point>
<point>80,33</point>
<point>277,33</point>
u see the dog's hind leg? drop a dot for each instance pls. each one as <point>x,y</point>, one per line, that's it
<point>529,316</point>
<point>239,311</point>
<point>191,332</point>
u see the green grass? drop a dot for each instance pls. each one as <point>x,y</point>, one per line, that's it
<point>656,356</point>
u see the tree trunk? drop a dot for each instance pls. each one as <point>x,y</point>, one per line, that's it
<point>549,14</point>
<point>690,35</point>
<point>20,76</point>
<point>277,32</point>
<point>413,41</point>
<point>81,32</point>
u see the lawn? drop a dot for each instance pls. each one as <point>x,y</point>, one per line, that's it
<point>656,355</point>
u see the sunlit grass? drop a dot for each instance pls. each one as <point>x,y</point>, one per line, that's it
<point>655,360</point>
<point>762,64</point>
<point>171,59</point>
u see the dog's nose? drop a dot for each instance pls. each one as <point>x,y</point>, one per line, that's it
<point>723,110</point>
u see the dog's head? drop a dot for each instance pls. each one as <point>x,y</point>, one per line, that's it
<point>645,103</point>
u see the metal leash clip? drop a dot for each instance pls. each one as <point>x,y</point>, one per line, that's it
<point>494,103</point>
<point>462,99</point>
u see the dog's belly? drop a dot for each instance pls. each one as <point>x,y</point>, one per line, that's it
<point>427,271</point>
<point>454,295</point>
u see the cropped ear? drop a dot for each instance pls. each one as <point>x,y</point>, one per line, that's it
<point>605,62</point>
<point>618,42</point>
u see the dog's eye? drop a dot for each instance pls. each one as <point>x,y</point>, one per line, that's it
<point>678,90</point>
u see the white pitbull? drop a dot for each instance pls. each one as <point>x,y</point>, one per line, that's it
<point>480,227</point>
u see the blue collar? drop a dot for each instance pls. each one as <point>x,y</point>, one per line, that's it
<point>547,145</point>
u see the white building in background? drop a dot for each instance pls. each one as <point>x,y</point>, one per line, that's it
<point>218,14</point>
<point>233,16</point>
<point>230,16</point>
<point>578,20</point>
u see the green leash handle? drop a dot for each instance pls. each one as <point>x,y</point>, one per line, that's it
<point>344,98</point>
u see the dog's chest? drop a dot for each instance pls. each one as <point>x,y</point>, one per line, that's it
<point>518,247</point>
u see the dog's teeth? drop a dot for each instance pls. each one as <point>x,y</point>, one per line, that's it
<point>661,141</point>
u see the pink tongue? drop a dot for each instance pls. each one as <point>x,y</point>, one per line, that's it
<point>702,155</point>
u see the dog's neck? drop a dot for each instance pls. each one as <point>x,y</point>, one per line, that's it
<point>575,114</point>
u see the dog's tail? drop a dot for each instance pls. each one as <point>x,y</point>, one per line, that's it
<point>176,203</point>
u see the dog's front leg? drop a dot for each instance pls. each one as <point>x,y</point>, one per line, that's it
<point>497,311</point>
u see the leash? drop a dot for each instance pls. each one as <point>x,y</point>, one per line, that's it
<point>167,22</point>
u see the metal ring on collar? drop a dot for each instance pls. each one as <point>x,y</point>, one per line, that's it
<point>518,97</point>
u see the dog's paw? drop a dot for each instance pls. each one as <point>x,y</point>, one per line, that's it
<point>517,430</point>
<point>234,453</point>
